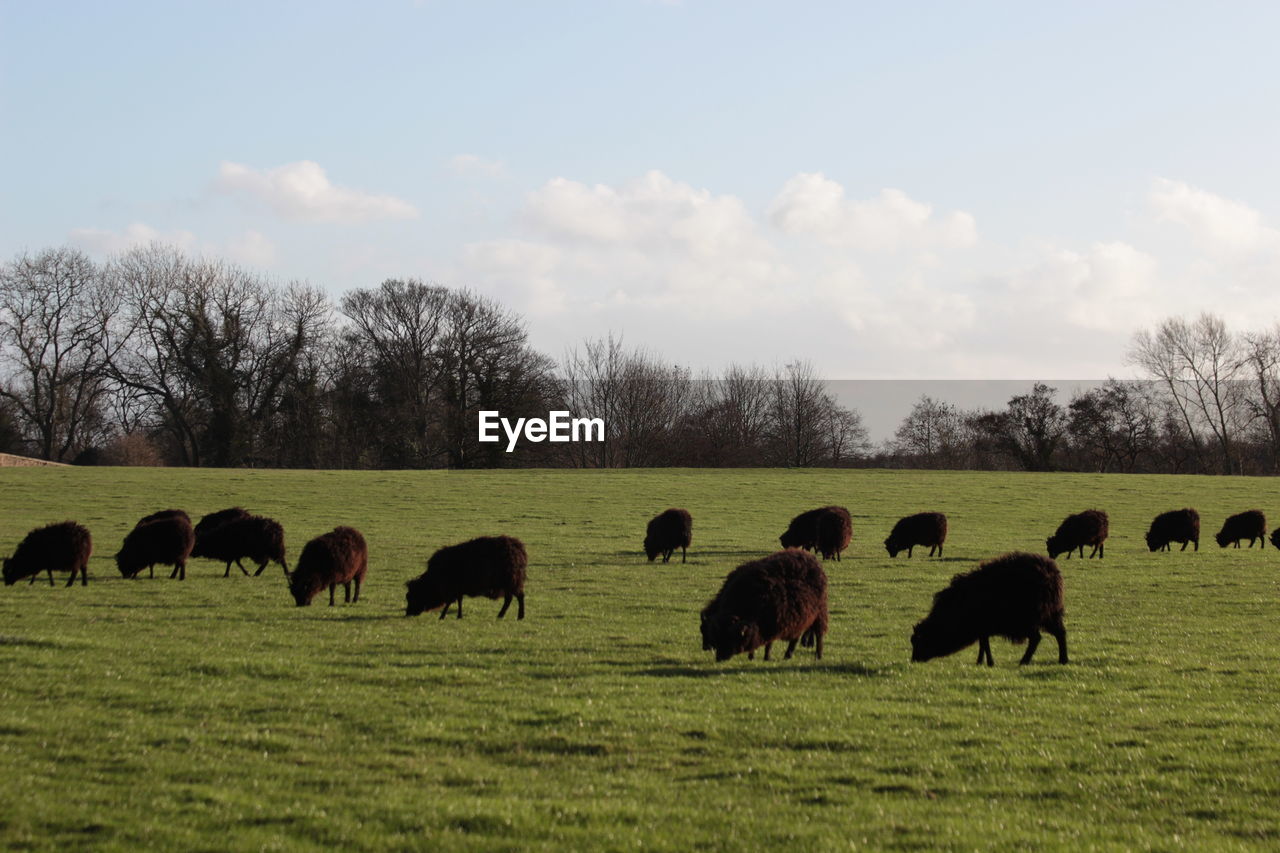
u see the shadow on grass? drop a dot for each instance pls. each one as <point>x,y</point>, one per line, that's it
<point>695,556</point>
<point>711,670</point>
<point>29,642</point>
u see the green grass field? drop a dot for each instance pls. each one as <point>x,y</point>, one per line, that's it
<point>213,714</point>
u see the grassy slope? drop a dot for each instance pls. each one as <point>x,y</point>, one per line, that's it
<point>214,714</point>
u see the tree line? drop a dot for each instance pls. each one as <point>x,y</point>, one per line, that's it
<point>1210,405</point>
<point>155,357</point>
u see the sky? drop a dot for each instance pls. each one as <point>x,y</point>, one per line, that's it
<point>886,190</point>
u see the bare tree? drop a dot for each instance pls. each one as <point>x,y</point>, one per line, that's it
<point>55,316</point>
<point>930,433</point>
<point>1115,427</point>
<point>644,403</point>
<point>1261,361</point>
<point>394,342</point>
<point>209,349</point>
<point>1198,365</point>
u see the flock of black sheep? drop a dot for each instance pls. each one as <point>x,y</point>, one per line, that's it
<point>491,566</point>
<point>780,597</point>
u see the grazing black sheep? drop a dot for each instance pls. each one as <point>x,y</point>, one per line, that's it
<point>1179,525</point>
<point>666,532</point>
<point>253,536</point>
<point>222,516</point>
<point>780,597</point>
<point>1076,531</point>
<point>826,530</point>
<point>167,540</point>
<point>65,546</point>
<point>802,532</point>
<point>923,528</point>
<point>834,532</point>
<point>490,566</point>
<point>164,513</point>
<point>1250,524</point>
<point>337,557</point>
<point>1013,596</point>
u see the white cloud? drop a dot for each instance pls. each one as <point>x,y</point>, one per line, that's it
<point>250,248</point>
<point>302,191</point>
<point>108,242</point>
<point>652,241</point>
<point>1110,286</point>
<point>812,204</point>
<point>1215,223</point>
<point>475,165</point>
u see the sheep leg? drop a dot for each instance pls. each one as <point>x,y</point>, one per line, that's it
<point>359,580</point>
<point>817,646</point>
<point>1082,551</point>
<point>72,580</point>
<point>1197,541</point>
<point>1059,632</point>
<point>767,647</point>
<point>50,571</point>
<point>445,612</point>
<point>910,548</point>
<point>791,647</point>
<point>682,553</point>
<point>241,567</point>
<point>332,587</point>
<point>459,607</point>
<point>346,593</point>
<point>227,573</point>
<point>505,604</point>
<point>262,568</point>
<point>153,572</point>
<point>751,655</point>
<point>984,651</point>
<point>1032,643</point>
<point>174,573</point>
<point>520,601</point>
<point>1184,545</point>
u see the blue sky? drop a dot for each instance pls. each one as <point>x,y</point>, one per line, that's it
<point>979,190</point>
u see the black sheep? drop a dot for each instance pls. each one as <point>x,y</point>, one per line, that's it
<point>65,546</point>
<point>1013,596</point>
<point>826,530</point>
<point>1250,524</point>
<point>167,540</point>
<point>1275,538</point>
<point>491,566</point>
<point>258,538</point>
<point>164,513</point>
<point>923,528</point>
<point>835,529</point>
<point>337,557</point>
<point>1076,531</point>
<point>222,516</point>
<point>780,597</point>
<point>1179,525</point>
<point>666,532</point>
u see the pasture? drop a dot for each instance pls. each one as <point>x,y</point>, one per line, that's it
<point>214,714</point>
